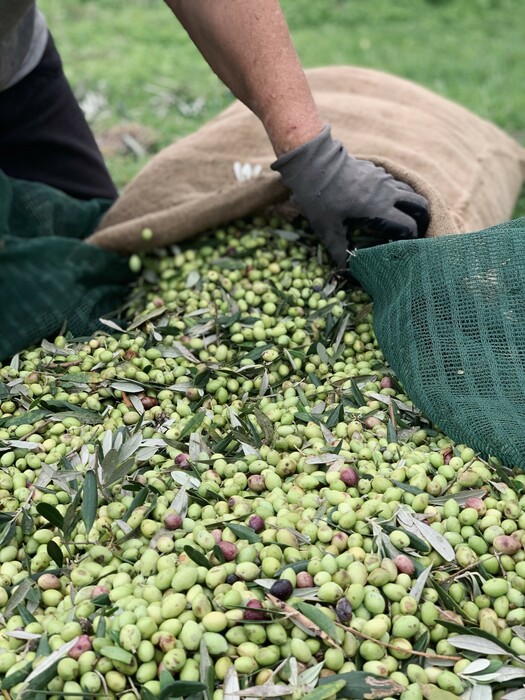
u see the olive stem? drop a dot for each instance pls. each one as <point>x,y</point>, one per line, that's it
<point>464,569</point>
<point>425,654</point>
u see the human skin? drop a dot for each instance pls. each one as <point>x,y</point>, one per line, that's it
<point>248,45</point>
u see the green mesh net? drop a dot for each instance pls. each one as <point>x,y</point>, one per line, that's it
<point>449,315</point>
<point>50,278</point>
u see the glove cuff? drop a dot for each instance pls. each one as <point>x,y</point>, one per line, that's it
<point>302,155</point>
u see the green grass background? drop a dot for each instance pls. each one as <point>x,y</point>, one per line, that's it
<point>135,55</point>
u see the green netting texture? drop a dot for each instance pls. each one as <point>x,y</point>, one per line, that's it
<point>449,315</point>
<point>48,276</point>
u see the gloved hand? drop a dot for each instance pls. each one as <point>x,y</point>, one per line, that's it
<point>349,203</point>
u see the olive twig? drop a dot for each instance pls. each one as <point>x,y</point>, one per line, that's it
<point>455,575</point>
<point>424,654</point>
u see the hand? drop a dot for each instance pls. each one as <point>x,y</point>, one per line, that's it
<point>349,203</point>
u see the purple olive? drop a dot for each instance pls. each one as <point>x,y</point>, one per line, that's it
<point>282,589</point>
<point>343,610</point>
<point>255,610</point>
<point>349,476</point>
<point>183,461</point>
<point>229,550</point>
<point>256,523</point>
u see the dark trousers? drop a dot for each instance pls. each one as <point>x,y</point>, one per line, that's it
<point>44,136</point>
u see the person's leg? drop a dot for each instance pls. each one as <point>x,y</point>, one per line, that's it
<point>44,136</point>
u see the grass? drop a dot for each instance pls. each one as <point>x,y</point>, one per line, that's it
<point>135,56</point>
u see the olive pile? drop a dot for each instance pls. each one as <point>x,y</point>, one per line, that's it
<point>234,492</point>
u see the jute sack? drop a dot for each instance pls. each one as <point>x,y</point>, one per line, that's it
<point>470,171</point>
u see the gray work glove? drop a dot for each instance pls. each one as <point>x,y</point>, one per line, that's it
<point>349,203</point>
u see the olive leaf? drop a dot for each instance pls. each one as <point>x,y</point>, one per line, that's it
<point>360,685</point>
<point>296,566</point>
<point>130,444</point>
<point>50,513</point>
<point>340,332</point>
<point>146,694</point>
<point>231,684</point>
<point>117,654</point>
<point>25,614</point>
<point>470,629</point>
<point>407,487</point>
<point>111,324</point>
<point>481,692</point>
<point>49,664</point>
<point>206,670</point>
<point>267,690</point>
<point>265,424</point>
<point>180,502</point>
<point>519,631</point>
<point>197,557</point>
<point>244,533</point>
<point>128,386</point>
<point>185,479</point>
<point>89,500</point>
<point>320,620</point>
<point>180,689</point>
<point>29,417</point>
<point>13,679</point>
<point>310,676</point>
<point>356,393</point>
<point>265,583</point>
<point>137,501</point>
<point>324,458</point>
<point>79,378</point>
<point>53,349</point>
<point>21,634</point>
<point>144,317</point>
<point>478,645</point>
<point>461,497</point>
<point>476,666</point>
<point>72,515</point>
<point>18,596</point>
<point>391,432</point>
<point>434,538</point>
<point>326,691</point>
<point>8,532</point>
<point>20,444</point>
<point>503,675</point>
<point>448,602</point>
<point>420,584</point>
<point>421,644</point>
<point>192,425</point>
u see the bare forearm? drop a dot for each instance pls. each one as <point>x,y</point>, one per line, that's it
<point>248,45</point>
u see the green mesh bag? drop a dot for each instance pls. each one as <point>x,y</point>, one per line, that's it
<point>50,278</point>
<point>449,315</point>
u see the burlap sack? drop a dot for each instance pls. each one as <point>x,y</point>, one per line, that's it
<point>470,170</point>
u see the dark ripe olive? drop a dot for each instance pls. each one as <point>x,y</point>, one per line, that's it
<point>343,610</point>
<point>282,589</point>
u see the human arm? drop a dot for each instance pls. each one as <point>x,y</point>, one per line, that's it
<point>248,45</point>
